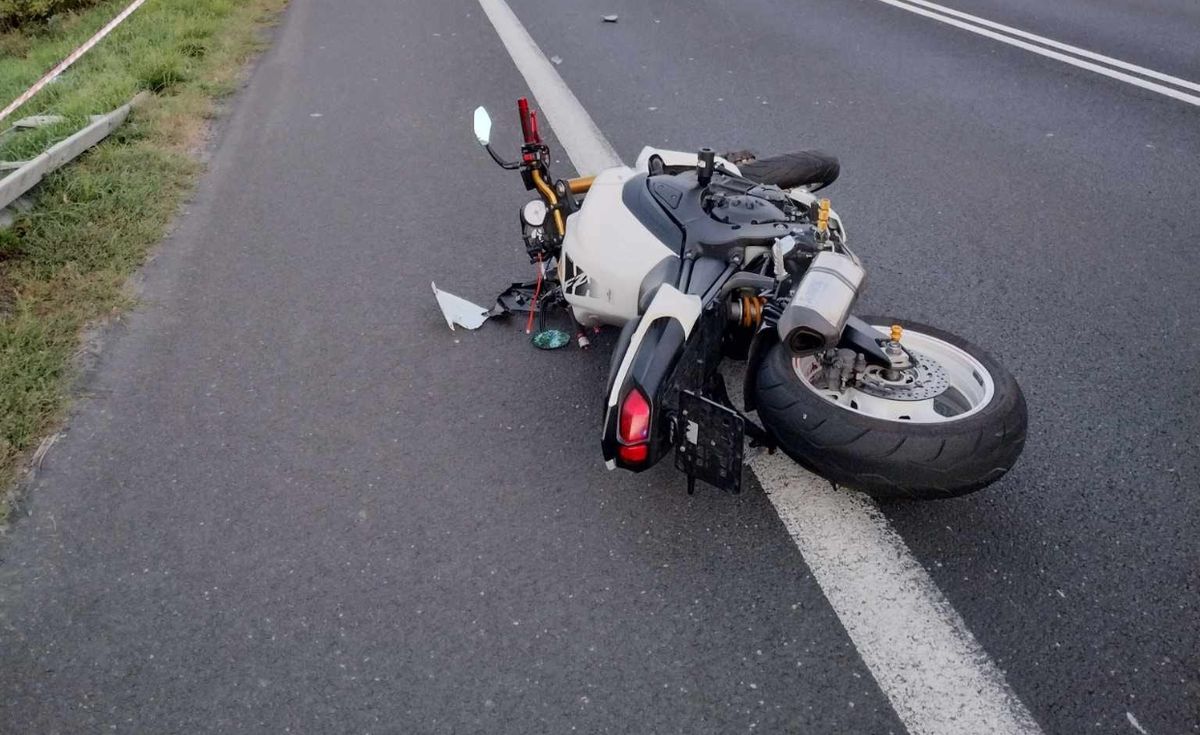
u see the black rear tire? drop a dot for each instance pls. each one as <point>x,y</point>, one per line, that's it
<point>894,459</point>
<point>814,169</point>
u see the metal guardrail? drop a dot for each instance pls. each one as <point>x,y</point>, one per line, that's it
<point>26,175</point>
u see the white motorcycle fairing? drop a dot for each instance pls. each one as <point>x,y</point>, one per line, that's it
<point>607,252</point>
<point>457,310</point>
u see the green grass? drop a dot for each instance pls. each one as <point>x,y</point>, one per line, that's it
<point>14,13</point>
<point>65,262</point>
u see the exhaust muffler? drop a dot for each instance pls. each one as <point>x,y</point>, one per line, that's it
<point>814,318</point>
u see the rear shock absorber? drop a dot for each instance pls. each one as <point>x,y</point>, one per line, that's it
<point>746,310</point>
<point>752,310</point>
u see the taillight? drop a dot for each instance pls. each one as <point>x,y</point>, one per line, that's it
<point>634,428</point>
<point>635,454</point>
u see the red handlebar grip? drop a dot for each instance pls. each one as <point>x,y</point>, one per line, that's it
<point>523,109</point>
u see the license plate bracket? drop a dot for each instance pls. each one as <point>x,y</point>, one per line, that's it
<point>709,441</point>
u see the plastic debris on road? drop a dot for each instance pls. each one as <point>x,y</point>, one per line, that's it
<point>459,311</point>
<point>550,339</point>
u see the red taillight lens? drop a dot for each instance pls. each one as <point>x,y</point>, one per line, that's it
<point>635,454</point>
<point>635,418</point>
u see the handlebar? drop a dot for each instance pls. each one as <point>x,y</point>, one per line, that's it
<point>529,126</point>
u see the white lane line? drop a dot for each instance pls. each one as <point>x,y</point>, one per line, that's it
<point>1103,70</point>
<point>1110,61</point>
<point>936,676</point>
<point>587,147</point>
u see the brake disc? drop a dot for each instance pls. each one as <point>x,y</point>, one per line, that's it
<point>924,380</point>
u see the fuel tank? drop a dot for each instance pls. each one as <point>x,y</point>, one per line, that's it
<point>607,253</point>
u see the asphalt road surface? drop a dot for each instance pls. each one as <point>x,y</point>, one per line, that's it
<point>293,501</point>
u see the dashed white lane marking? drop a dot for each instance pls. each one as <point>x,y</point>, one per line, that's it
<point>1009,35</point>
<point>936,676</point>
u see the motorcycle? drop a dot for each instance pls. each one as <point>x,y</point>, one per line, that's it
<point>700,258</point>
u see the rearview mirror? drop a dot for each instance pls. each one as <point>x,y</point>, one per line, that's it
<point>483,126</point>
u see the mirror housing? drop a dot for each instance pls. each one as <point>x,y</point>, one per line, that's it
<point>483,126</point>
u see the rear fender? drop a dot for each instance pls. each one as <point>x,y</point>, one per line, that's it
<point>648,362</point>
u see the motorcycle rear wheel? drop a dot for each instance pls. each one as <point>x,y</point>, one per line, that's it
<point>956,443</point>
<point>812,169</point>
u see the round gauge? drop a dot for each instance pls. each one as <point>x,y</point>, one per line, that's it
<point>534,213</point>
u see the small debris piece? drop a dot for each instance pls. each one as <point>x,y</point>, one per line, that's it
<point>1134,722</point>
<point>610,19</point>
<point>551,339</point>
<point>556,60</point>
<point>459,311</point>
<point>44,448</point>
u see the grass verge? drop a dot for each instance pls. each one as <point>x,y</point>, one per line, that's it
<point>65,262</point>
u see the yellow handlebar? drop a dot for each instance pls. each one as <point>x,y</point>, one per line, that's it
<point>580,185</point>
<point>552,199</point>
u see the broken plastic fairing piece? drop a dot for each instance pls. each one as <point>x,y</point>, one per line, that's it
<point>459,311</point>
<point>550,339</point>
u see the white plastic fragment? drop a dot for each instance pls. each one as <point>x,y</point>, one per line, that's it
<point>610,19</point>
<point>459,311</point>
<point>1134,722</point>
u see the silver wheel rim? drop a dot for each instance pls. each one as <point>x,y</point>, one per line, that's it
<point>968,384</point>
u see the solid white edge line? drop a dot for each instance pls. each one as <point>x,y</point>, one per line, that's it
<point>1105,71</point>
<point>71,59</point>
<point>588,149</point>
<point>1061,46</point>
<point>925,660</point>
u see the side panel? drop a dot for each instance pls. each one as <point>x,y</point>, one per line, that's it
<point>606,254</point>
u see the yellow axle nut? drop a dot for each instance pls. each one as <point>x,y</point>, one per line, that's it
<point>897,332</point>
